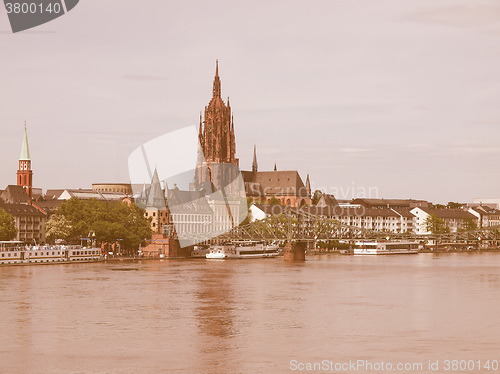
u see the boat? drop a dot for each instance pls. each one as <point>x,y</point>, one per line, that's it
<point>385,247</point>
<point>12,253</point>
<point>244,249</point>
<point>199,251</point>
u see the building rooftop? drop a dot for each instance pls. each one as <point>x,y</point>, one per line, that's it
<point>18,210</point>
<point>15,195</point>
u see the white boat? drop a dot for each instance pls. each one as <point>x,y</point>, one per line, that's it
<point>385,247</point>
<point>245,249</point>
<point>12,253</point>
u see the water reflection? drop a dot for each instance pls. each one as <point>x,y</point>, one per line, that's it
<point>247,316</point>
<point>214,310</point>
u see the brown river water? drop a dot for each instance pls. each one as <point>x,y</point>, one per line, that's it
<point>254,316</point>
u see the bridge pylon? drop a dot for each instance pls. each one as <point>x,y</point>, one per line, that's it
<point>295,251</point>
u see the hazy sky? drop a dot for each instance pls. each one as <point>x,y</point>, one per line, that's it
<point>398,96</point>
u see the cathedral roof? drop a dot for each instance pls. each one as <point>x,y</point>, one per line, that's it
<point>286,182</point>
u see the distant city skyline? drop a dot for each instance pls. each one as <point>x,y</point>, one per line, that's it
<point>398,98</point>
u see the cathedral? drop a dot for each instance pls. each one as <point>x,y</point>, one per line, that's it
<point>217,166</point>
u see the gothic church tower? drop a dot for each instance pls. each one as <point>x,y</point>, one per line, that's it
<point>217,142</point>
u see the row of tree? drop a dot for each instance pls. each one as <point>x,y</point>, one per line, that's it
<point>437,225</point>
<point>102,221</point>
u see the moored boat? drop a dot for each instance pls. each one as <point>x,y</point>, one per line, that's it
<point>242,249</point>
<point>385,247</point>
<point>199,251</point>
<point>12,253</point>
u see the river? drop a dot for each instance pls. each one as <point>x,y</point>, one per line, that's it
<point>253,316</point>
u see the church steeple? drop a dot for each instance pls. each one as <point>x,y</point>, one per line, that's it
<point>217,90</point>
<point>25,150</point>
<point>200,133</point>
<point>24,173</point>
<point>254,163</point>
<point>308,185</point>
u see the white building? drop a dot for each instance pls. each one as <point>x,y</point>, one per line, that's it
<point>486,216</point>
<point>454,219</point>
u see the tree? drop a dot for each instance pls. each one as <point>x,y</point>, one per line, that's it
<point>8,230</point>
<point>109,221</point>
<point>57,227</point>
<point>316,196</point>
<point>274,201</point>
<point>452,205</point>
<point>436,225</point>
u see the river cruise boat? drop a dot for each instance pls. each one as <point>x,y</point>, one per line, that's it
<point>244,249</point>
<point>12,253</point>
<point>385,247</point>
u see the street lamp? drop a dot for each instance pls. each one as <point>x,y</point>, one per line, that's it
<point>119,246</point>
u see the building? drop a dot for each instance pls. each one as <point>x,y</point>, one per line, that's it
<point>285,186</point>
<point>24,172</point>
<point>455,219</point>
<point>85,194</point>
<point>30,222</point>
<point>263,211</point>
<point>152,200</point>
<point>53,194</point>
<point>385,219</point>
<point>492,203</point>
<point>14,195</point>
<point>191,213</point>
<point>390,203</point>
<point>121,188</point>
<point>217,164</point>
<point>486,216</point>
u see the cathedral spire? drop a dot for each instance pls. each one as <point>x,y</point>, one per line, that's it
<point>200,133</point>
<point>25,150</point>
<point>217,91</point>
<point>254,163</point>
<point>308,185</point>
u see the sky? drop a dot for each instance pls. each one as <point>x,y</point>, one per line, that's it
<point>387,98</point>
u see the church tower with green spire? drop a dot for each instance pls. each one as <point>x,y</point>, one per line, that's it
<point>24,173</point>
